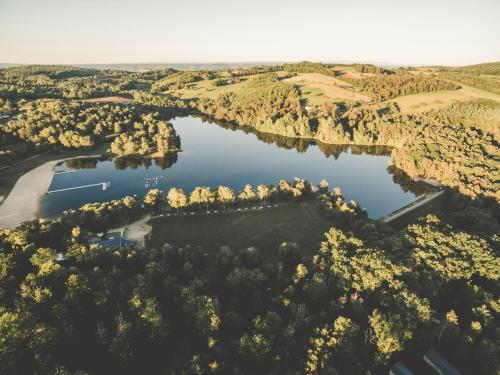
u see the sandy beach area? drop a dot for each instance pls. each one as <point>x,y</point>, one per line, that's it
<point>23,201</point>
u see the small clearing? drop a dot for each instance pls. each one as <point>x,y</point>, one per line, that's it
<point>299,222</point>
<point>136,231</point>
<point>332,88</point>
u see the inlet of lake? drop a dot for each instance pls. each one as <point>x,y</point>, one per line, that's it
<point>215,155</point>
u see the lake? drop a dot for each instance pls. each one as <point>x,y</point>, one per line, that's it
<point>222,155</point>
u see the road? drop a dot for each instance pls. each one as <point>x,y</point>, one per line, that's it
<point>411,207</point>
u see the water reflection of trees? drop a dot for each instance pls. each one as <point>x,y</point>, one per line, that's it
<point>82,163</point>
<point>301,144</point>
<point>408,184</point>
<point>332,150</point>
<point>136,162</point>
<point>132,162</point>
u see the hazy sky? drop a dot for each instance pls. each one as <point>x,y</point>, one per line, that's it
<point>450,32</point>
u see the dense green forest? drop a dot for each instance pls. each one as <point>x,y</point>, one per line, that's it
<point>370,295</point>
<point>73,124</point>
<point>389,87</point>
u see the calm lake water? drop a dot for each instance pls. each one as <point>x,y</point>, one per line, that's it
<point>217,155</point>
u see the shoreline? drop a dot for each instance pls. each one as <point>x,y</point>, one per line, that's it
<point>23,201</point>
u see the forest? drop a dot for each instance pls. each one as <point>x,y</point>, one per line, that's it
<point>370,295</point>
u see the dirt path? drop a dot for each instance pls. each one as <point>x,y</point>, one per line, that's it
<point>136,231</point>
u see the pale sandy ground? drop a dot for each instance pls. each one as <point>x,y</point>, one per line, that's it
<point>23,201</point>
<point>136,231</point>
<point>332,87</point>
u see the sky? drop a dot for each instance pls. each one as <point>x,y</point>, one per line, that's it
<point>445,32</point>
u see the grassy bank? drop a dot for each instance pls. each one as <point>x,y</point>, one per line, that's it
<point>299,222</point>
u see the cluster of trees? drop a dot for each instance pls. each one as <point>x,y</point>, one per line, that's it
<point>6,106</point>
<point>179,80</point>
<point>368,295</point>
<point>310,67</point>
<point>264,102</point>
<point>46,81</point>
<point>48,121</point>
<point>39,81</point>
<point>225,81</point>
<point>481,114</point>
<point>242,72</point>
<point>150,138</point>
<point>392,86</point>
<point>369,68</point>
<point>225,197</point>
<point>488,83</point>
<point>492,69</point>
<point>336,208</point>
<point>73,124</point>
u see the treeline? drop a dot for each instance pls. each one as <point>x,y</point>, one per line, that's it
<point>368,296</point>
<point>392,86</point>
<point>367,68</point>
<point>45,81</point>
<point>332,69</point>
<point>203,198</point>
<point>309,67</point>
<point>73,124</point>
<point>480,114</point>
<point>242,72</point>
<point>491,83</point>
<point>492,68</point>
<point>179,80</point>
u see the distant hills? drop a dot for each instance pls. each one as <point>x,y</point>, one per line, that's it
<point>484,68</point>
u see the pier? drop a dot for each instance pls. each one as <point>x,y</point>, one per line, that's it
<point>104,185</point>
<point>64,172</point>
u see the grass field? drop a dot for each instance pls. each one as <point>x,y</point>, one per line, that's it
<point>207,89</point>
<point>427,101</point>
<point>299,222</point>
<point>318,88</point>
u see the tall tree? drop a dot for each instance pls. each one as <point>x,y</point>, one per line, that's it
<point>177,199</point>
<point>225,196</point>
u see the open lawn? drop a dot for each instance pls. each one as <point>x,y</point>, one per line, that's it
<point>330,88</point>
<point>299,222</point>
<point>207,89</point>
<point>427,101</point>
